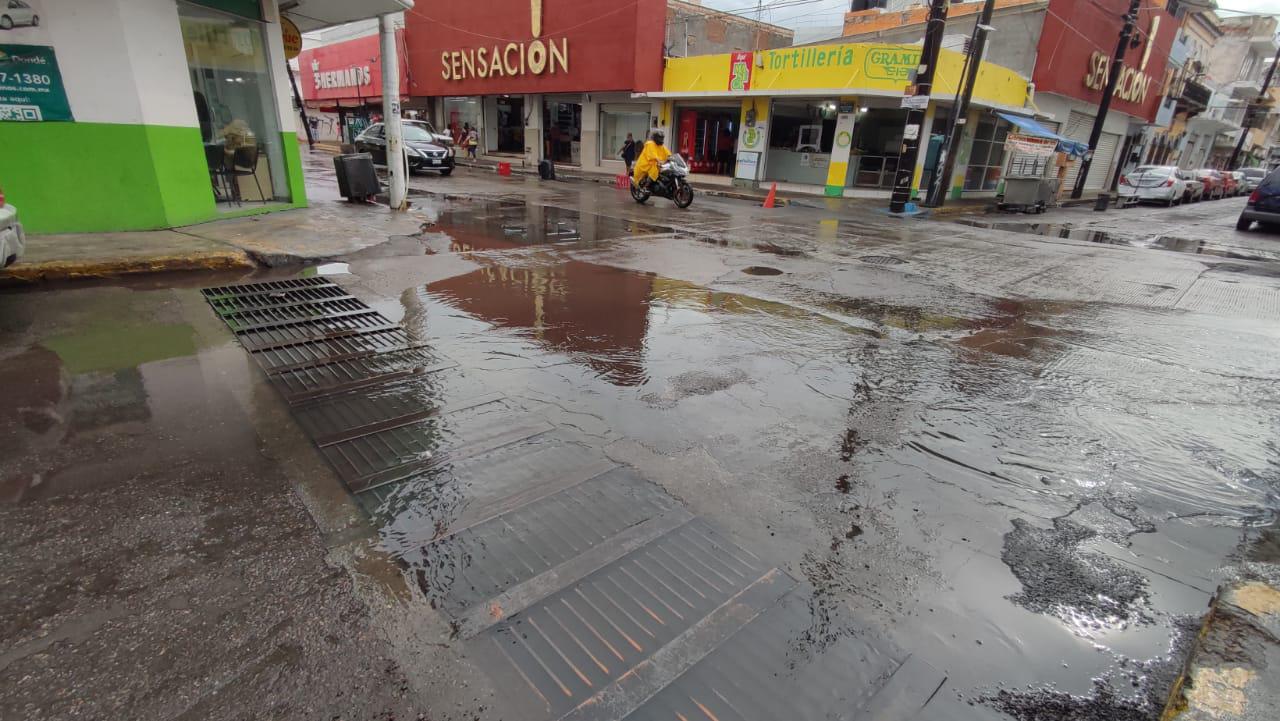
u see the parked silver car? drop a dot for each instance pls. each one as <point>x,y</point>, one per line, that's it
<point>17,12</point>
<point>1253,178</point>
<point>12,240</point>
<point>1156,184</point>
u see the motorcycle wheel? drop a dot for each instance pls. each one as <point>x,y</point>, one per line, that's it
<point>639,194</point>
<point>684,196</point>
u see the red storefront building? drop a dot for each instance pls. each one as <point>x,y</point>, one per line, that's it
<point>539,78</point>
<point>341,85</point>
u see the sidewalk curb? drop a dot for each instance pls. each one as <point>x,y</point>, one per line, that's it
<point>1233,670</point>
<point>31,273</point>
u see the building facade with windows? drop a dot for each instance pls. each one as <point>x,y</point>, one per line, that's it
<point>1064,48</point>
<point>142,114</point>
<point>830,118</point>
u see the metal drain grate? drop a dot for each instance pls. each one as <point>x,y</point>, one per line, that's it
<point>881,260</point>
<point>306,383</point>
<point>316,329</point>
<point>277,315</point>
<point>306,353</point>
<point>478,564</point>
<point>279,299</point>
<point>569,647</point>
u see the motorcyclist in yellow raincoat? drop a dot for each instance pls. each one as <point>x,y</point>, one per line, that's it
<point>651,158</point>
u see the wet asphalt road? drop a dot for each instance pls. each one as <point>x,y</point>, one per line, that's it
<point>1020,463</point>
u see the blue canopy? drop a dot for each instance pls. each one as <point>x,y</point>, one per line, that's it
<point>1031,127</point>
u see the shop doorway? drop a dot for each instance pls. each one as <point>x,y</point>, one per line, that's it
<point>707,138</point>
<point>508,115</point>
<point>234,97</point>
<point>562,133</point>
<point>800,140</point>
<point>877,143</point>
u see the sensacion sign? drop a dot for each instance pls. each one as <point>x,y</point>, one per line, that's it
<point>534,57</point>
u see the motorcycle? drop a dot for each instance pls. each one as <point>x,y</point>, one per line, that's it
<point>672,183</point>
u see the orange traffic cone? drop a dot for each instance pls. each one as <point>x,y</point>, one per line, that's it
<point>773,194</point>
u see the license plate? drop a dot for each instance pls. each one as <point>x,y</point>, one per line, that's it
<point>433,162</point>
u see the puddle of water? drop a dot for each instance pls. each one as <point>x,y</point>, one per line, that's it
<point>485,225</point>
<point>1158,242</point>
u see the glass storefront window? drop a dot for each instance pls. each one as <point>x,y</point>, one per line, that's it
<point>235,103</point>
<point>800,140</point>
<point>618,120</point>
<point>459,114</point>
<point>986,156</point>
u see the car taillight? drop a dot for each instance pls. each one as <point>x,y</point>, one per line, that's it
<point>1168,183</point>
<point>1,197</point>
<point>1253,197</point>
<point>1124,180</point>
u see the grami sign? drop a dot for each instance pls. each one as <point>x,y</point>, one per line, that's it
<point>534,57</point>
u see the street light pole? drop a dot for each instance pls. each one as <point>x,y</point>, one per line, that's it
<point>960,110</point>
<point>396,168</point>
<point>1117,65</point>
<point>906,174</point>
<point>1248,117</point>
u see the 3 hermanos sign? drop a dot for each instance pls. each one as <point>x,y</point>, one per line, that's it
<point>1134,83</point>
<point>354,76</point>
<point>512,59</point>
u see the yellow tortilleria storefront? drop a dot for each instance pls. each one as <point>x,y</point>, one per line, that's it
<point>833,116</point>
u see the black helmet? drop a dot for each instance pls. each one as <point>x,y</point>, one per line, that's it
<point>658,137</point>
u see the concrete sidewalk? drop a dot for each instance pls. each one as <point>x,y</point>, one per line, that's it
<point>1233,672</point>
<point>326,229</point>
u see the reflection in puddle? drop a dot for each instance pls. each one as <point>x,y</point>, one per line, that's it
<point>503,226</point>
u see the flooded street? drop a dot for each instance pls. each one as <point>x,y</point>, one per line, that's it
<point>609,461</point>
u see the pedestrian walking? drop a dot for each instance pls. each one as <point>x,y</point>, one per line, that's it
<point>629,152</point>
<point>473,142</point>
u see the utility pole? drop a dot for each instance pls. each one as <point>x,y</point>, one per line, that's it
<point>1250,116</point>
<point>396,160</point>
<point>302,107</point>
<point>960,109</point>
<point>933,30</point>
<point>1117,65</point>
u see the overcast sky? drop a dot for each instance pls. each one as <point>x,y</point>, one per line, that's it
<point>810,14</point>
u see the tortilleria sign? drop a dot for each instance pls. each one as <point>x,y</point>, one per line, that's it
<point>533,57</point>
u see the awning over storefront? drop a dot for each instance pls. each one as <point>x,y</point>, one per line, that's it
<point>1031,127</point>
<point>311,15</point>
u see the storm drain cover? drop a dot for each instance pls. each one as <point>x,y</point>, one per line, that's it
<point>881,260</point>
<point>333,358</point>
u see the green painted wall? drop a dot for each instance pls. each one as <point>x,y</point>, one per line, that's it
<point>87,177</point>
<point>102,177</point>
<point>293,168</point>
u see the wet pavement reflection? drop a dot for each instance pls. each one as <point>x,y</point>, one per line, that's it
<point>1013,504</point>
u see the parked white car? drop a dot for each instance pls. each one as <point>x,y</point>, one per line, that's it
<point>12,241</point>
<point>17,12</point>
<point>1156,184</point>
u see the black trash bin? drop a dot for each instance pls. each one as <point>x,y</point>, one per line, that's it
<point>546,169</point>
<point>356,177</point>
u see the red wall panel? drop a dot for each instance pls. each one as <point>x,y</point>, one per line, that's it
<point>1075,29</point>
<point>340,57</point>
<point>611,45</point>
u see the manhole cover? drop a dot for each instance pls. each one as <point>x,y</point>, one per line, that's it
<point>881,260</point>
<point>761,270</point>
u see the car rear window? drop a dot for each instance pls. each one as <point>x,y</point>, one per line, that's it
<point>1272,181</point>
